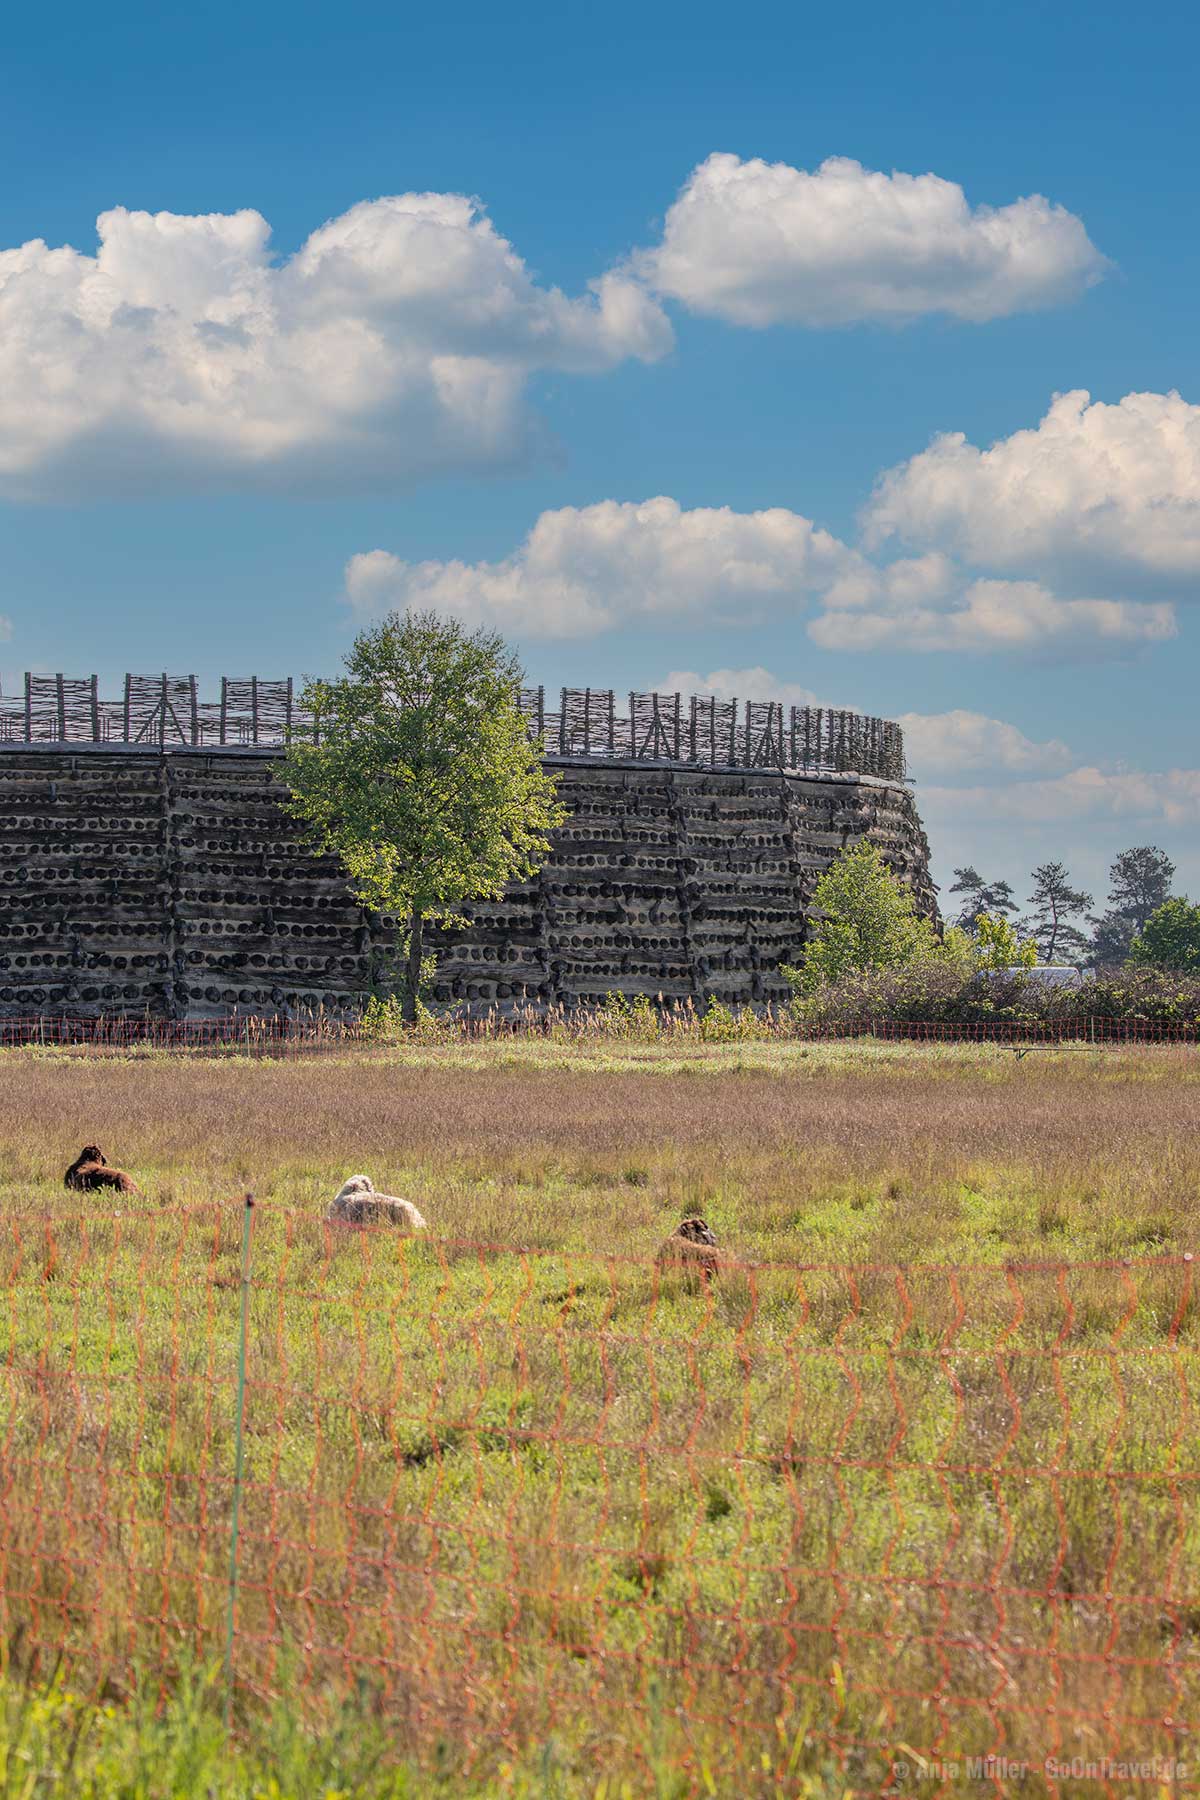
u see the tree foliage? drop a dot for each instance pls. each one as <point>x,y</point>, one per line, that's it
<point>1171,938</point>
<point>867,920</point>
<point>1139,883</point>
<point>1112,940</point>
<point>421,776</point>
<point>996,945</point>
<point>980,896</point>
<point>1056,904</point>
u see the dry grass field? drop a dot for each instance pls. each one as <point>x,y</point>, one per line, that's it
<point>797,1150</point>
<point>917,1470</point>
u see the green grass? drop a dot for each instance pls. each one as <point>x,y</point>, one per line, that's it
<point>57,1742</point>
<point>523,1515</point>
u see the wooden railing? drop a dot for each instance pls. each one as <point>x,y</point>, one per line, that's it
<point>165,712</point>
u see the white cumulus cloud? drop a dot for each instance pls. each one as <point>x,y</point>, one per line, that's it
<point>396,343</point>
<point>960,742</point>
<point>760,243</point>
<point>923,603</point>
<point>585,570</point>
<point>582,570</point>
<point>1093,486</point>
<point>737,684</point>
<point>1144,797</point>
<point>1083,816</point>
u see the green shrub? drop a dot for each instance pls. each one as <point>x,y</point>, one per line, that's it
<point>619,1016</point>
<point>719,1024</point>
<point>940,993</point>
<point>1170,938</point>
<point>382,1017</point>
<point>995,944</point>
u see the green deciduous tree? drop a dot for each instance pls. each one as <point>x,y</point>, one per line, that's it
<point>868,920</point>
<point>421,776</point>
<point>1171,939</point>
<point>1055,905</point>
<point>997,946</point>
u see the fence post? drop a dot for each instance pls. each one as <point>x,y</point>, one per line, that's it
<point>239,1456</point>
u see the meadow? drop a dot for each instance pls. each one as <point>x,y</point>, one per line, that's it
<point>913,1479</point>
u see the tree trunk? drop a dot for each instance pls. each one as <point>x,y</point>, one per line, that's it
<point>412,985</point>
<point>1053,944</point>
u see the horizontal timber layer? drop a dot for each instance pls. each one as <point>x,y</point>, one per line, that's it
<point>176,885</point>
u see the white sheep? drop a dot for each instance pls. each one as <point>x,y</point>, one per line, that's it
<point>357,1203</point>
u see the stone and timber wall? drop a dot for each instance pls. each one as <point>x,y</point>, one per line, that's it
<point>164,878</point>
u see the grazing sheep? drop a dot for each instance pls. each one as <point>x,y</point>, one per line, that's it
<point>691,1249</point>
<point>357,1203</point>
<point>90,1172</point>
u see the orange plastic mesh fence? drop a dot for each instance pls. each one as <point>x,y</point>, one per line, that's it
<point>281,1037</point>
<point>509,1494</point>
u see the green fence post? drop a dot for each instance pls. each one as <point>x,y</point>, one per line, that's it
<point>239,1457</point>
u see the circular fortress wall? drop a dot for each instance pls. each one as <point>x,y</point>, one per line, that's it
<point>677,882</point>
<point>158,873</point>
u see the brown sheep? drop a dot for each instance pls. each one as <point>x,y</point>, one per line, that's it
<point>691,1250</point>
<point>89,1172</point>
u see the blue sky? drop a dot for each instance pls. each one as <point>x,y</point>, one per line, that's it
<point>208,449</point>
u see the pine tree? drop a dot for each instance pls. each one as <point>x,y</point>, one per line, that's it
<point>1055,904</point>
<point>1139,883</point>
<point>980,896</point>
